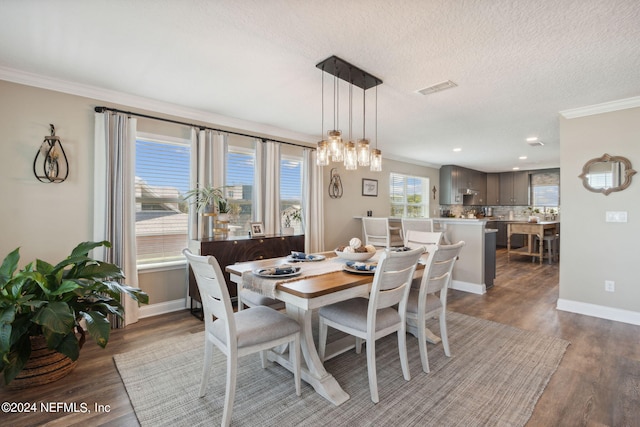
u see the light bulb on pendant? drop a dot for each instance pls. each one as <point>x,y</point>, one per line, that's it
<point>336,146</point>
<point>363,152</point>
<point>322,153</point>
<point>376,160</point>
<point>350,156</point>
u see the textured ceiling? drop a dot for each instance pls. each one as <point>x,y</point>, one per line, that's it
<point>516,64</point>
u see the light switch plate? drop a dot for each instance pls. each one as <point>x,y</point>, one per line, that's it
<point>613,216</point>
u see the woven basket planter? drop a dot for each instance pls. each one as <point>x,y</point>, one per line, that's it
<point>44,366</point>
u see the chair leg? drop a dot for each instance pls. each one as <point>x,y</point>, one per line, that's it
<point>443,333</point>
<point>371,368</point>
<point>359,342</point>
<point>322,339</point>
<point>206,370</point>
<point>294,355</point>
<point>422,343</point>
<point>230,393</point>
<point>263,358</point>
<point>402,349</point>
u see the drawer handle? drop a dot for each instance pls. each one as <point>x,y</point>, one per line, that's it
<point>261,257</point>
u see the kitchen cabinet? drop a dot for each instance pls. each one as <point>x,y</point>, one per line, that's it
<point>449,193</point>
<point>514,188</point>
<point>517,241</point>
<point>493,189</point>
<point>239,249</point>
<point>455,180</point>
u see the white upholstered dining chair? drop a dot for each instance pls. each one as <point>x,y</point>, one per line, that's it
<point>428,297</point>
<point>377,232</point>
<point>376,317</point>
<point>253,330</point>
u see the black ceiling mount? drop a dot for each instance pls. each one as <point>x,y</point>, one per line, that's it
<point>348,72</point>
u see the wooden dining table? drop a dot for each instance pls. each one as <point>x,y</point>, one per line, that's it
<point>302,297</point>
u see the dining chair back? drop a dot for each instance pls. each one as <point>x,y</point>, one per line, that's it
<point>415,238</point>
<point>377,232</point>
<point>376,317</point>
<point>418,224</point>
<point>424,301</point>
<point>253,330</point>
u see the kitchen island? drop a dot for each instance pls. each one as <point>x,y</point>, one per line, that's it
<point>472,271</point>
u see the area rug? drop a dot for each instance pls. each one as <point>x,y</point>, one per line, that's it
<point>494,378</point>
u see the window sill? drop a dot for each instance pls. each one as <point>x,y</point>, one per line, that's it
<point>161,266</point>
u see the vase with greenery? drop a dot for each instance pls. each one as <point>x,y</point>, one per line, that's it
<point>51,301</point>
<point>291,215</point>
<point>206,199</point>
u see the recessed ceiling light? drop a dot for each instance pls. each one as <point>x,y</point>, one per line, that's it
<point>457,149</point>
<point>522,157</point>
<point>516,168</point>
<point>532,138</point>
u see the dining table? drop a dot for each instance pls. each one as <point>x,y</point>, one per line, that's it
<point>319,283</point>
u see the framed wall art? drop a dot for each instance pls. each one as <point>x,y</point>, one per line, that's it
<point>370,187</point>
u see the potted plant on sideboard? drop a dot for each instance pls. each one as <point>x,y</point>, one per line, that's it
<point>291,215</point>
<point>206,199</point>
<point>42,307</point>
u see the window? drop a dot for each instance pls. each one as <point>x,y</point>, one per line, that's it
<point>545,189</point>
<point>162,176</point>
<point>409,196</point>
<point>291,189</point>
<point>239,184</point>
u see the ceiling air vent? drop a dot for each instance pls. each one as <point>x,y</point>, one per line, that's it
<point>534,142</point>
<point>437,87</point>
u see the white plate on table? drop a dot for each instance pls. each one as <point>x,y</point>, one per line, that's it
<point>260,272</point>
<point>309,258</point>
<point>355,270</point>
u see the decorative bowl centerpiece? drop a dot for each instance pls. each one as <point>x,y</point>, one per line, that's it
<point>355,251</point>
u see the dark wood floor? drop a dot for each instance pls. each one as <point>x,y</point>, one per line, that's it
<point>597,383</point>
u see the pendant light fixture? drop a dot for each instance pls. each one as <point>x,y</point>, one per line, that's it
<point>336,146</point>
<point>363,144</point>
<point>352,154</point>
<point>322,152</point>
<point>376,155</point>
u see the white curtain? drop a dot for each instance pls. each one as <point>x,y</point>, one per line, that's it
<point>266,197</point>
<point>114,199</point>
<point>312,203</point>
<point>272,188</point>
<point>208,149</point>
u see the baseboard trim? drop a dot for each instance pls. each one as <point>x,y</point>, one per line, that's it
<point>473,288</point>
<point>162,308</point>
<point>600,311</point>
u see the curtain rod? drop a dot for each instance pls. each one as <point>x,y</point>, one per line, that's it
<point>146,116</point>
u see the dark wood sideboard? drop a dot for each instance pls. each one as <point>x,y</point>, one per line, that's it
<point>240,249</point>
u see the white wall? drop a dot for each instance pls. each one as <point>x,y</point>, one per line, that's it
<point>340,225</point>
<point>593,250</point>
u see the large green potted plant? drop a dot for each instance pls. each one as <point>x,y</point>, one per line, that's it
<point>48,302</point>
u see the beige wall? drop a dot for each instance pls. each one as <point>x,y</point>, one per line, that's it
<point>340,224</point>
<point>593,250</point>
<point>48,220</point>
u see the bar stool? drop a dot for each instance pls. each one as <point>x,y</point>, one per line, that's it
<point>551,242</point>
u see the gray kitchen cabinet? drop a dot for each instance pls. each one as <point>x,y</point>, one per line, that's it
<point>514,188</point>
<point>454,180</point>
<point>493,189</point>
<point>517,240</point>
<point>449,185</point>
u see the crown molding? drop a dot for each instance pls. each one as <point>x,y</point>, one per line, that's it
<point>134,101</point>
<point>605,107</point>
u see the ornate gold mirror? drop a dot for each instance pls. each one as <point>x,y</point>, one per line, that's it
<point>607,174</point>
